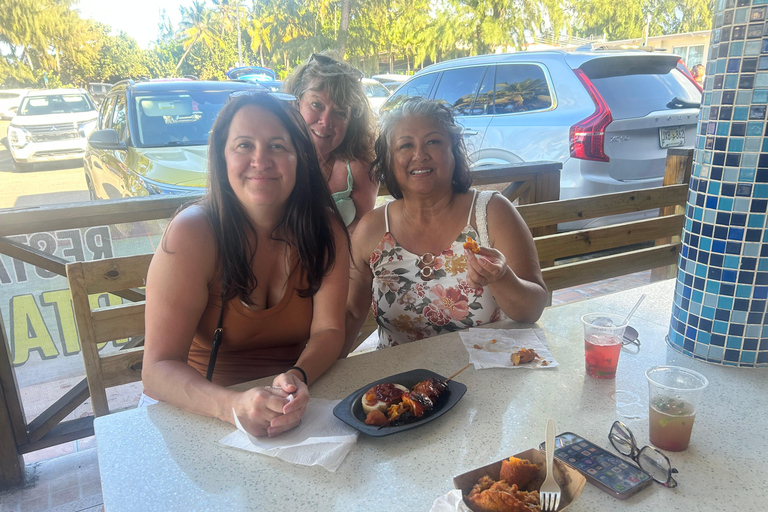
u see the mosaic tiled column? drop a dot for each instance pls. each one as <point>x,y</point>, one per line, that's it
<point>720,300</point>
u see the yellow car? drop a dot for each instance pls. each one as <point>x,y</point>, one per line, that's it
<point>152,137</point>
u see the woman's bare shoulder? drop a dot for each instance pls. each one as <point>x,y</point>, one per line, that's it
<point>190,234</point>
<point>371,228</point>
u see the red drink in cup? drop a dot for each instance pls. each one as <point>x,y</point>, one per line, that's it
<point>602,356</point>
<point>603,333</point>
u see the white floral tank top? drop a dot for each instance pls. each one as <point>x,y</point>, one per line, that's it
<point>415,297</point>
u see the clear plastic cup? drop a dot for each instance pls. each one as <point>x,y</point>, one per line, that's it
<point>674,394</point>
<point>603,333</point>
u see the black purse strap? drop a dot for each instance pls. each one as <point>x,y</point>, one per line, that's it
<point>217,335</point>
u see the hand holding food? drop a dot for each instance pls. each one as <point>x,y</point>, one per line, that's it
<point>485,266</point>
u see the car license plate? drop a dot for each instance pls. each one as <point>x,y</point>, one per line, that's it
<point>671,136</point>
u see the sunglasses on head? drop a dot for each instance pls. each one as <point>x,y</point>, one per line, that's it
<point>327,61</point>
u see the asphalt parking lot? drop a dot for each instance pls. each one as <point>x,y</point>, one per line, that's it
<point>48,183</point>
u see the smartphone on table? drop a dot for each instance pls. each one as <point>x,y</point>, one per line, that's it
<point>603,469</point>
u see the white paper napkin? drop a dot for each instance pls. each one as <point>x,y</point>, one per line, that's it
<point>450,502</point>
<point>321,439</point>
<point>496,346</point>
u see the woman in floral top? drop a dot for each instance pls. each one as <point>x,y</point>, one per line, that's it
<point>408,256</point>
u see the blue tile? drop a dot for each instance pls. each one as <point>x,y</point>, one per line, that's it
<point>743,291</point>
<point>701,349</point>
<point>747,356</point>
<point>720,327</point>
<point>725,303</point>
<point>731,262</point>
<point>716,352</point>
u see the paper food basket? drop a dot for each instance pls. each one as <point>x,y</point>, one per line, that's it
<point>571,481</point>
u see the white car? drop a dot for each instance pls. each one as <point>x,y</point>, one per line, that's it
<point>51,125</point>
<point>377,94</point>
<point>9,102</point>
<point>391,80</point>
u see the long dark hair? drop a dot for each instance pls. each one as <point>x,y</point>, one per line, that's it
<point>382,168</point>
<point>309,212</point>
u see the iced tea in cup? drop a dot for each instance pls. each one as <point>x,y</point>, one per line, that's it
<point>603,333</point>
<point>674,394</point>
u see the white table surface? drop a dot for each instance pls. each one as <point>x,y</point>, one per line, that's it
<point>162,458</point>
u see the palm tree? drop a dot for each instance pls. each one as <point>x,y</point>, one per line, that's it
<point>196,24</point>
<point>261,33</point>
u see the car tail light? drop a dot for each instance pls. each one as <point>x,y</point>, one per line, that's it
<point>687,72</point>
<point>587,137</point>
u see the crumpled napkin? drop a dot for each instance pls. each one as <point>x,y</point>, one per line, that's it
<point>450,502</point>
<point>320,439</point>
<point>497,345</point>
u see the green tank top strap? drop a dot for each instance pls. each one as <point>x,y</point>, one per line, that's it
<point>344,202</point>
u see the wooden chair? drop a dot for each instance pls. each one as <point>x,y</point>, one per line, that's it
<point>121,276</point>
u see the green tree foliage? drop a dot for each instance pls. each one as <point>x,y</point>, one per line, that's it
<point>626,19</point>
<point>49,37</point>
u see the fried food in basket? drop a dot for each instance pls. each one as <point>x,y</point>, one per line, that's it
<point>515,491</point>
<point>524,355</point>
<point>518,471</point>
<point>492,496</point>
<point>471,245</point>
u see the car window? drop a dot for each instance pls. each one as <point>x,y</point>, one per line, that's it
<point>55,104</point>
<point>375,90</point>
<point>119,119</point>
<point>418,86</point>
<point>521,88</point>
<point>635,87</point>
<point>458,88</point>
<point>177,119</point>
<point>484,101</point>
<point>105,114</point>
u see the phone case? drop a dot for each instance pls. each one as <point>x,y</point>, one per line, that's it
<point>607,471</point>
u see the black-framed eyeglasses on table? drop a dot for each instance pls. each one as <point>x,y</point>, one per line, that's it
<point>648,458</point>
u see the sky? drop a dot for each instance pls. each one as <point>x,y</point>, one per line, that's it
<point>137,18</point>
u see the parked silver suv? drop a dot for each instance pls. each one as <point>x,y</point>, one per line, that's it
<point>608,116</point>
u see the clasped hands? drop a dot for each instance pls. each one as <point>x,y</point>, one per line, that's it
<point>268,411</point>
<point>486,267</point>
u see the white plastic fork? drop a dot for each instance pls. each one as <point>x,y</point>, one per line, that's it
<point>550,491</point>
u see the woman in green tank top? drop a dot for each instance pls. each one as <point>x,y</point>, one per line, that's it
<point>333,104</point>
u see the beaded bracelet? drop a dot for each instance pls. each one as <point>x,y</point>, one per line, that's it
<point>303,373</point>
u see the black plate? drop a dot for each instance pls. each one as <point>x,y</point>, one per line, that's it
<point>350,410</point>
